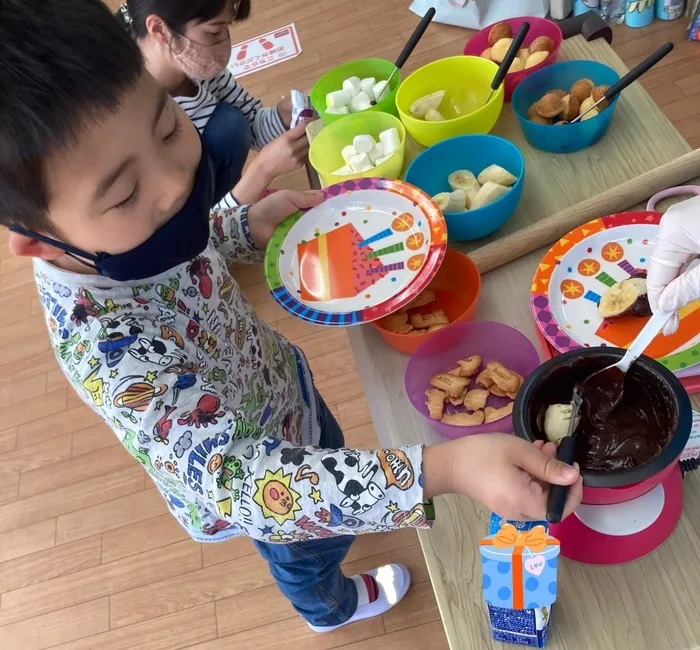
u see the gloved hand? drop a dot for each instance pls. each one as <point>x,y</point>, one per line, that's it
<point>673,277</point>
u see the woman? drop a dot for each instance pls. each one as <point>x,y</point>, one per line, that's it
<point>186,46</point>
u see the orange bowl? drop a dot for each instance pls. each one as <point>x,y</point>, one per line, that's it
<point>456,285</point>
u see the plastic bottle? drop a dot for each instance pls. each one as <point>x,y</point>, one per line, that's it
<point>612,11</point>
<point>669,9</point>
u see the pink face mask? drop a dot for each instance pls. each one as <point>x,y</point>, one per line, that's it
<point>201,62</point>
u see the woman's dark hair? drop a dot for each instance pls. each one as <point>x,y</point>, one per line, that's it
<point>177,13</point>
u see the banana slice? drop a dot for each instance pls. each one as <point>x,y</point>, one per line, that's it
<point>496,174</point>
<point>556,421</point>
<point>488,193</point>
<point>451,201</point>
<point>433,115</point>
<point>463,179</point>
<point>628,297</point>
<point>421,106</point>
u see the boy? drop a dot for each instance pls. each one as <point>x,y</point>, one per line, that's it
<point>106,184</point>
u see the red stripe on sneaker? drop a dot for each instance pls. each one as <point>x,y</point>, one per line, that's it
<point>371,586</point>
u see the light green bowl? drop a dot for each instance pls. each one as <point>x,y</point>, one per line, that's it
<point>325,156</point>
<point>380,69</point>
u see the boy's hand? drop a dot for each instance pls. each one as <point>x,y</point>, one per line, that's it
<point>509,476</point>
<point>265,215</point>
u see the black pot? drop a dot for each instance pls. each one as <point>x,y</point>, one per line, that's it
<point>556,377</point>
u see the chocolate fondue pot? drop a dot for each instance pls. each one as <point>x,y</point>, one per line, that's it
<point>553,382</point>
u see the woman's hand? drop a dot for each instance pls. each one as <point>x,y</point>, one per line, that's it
<point>672,280</point>
<point>265,215</point>
<point>509,476</point>
<point>281,156</point>
<point>284,110</point>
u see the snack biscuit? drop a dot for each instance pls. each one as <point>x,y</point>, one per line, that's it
<point>492,414</point>
<point>475,400</point>
<point>450,384</point>
<point>435,402</point>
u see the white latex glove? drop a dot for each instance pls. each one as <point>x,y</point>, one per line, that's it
<point>672,280</point>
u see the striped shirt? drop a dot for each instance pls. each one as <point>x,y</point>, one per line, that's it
<point>265,123</point>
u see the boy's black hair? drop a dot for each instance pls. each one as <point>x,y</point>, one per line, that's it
<point>63,65</point>
<point>177,13</point>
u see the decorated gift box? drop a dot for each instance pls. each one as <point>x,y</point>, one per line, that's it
<point>519,564</point>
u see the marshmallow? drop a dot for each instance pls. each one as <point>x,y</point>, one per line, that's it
<point>376,152</point>
<point>378,88</point>
<point>338,98</point>
<point>360,162</point>
<point>390,140</point>
<point>366,168</point>
<point>366,86</point>
<point>352,85</point>
<point>359,102</point>
<point>348,153</point>
<point>381,161</point>
<point>341,110</point>
<point>363,143</point>
<point>345,170</point>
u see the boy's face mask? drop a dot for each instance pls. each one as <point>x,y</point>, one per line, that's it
<point>179,240</point>
<point>202,62</point>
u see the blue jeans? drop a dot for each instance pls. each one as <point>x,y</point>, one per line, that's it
<point>229,136</point>
<point>308,573</point>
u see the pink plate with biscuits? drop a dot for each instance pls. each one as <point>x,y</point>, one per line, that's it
<point>369,249</point>
<point>493,342</point>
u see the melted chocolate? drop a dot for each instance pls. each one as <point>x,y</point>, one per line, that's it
<point>602,392</point>
<point>609,436</point>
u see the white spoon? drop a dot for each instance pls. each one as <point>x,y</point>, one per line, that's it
<point>608,382</point>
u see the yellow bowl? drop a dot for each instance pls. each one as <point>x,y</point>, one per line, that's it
<point>466,81</point>
<point>325,156</point>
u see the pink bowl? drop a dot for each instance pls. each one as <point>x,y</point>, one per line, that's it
<point>492,342</point>
<point>538,27</point>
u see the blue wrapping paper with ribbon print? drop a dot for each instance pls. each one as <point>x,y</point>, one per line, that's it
<point>519,567</point>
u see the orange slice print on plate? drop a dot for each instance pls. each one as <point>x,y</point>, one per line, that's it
<point>415,241</point>
<point>588,268</point>
<point>571,289</point>
<point>415,262</point>
<point>402,223</point>
<point>612,252</point>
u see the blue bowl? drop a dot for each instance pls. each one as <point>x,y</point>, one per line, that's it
<point>429,172</point>
<point>567,137</point>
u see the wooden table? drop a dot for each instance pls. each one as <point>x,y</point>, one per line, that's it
<point>648,604</point>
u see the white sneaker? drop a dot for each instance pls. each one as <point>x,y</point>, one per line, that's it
<point>378,591</point>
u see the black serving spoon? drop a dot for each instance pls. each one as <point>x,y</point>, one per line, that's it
<point>629,78</point>
<point>508,59</point>
<point>408,49</point>
<point>556,501</point>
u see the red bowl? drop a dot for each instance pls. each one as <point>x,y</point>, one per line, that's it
<point>538,27</point>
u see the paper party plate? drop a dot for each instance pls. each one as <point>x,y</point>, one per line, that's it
<point>581,266</point>
<point>371,247</point>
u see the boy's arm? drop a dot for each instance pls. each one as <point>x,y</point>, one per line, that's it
<point>267,486</point>
<point>265,123</point>
<point>241,233</point>
<point>231,236</point>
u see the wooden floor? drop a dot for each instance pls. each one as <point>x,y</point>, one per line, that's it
<point>89,557</point>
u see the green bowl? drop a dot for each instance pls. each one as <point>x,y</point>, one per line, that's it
<point>380,69</point>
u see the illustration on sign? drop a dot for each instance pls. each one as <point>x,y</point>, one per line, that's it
<point>264,51</point>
